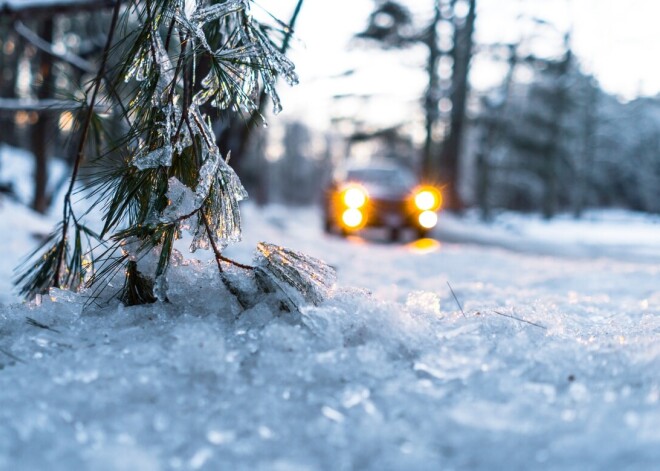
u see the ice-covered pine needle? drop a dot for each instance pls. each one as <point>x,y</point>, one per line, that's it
<point>310,276</point>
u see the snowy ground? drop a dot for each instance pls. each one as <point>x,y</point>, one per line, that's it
<point>388,374</point>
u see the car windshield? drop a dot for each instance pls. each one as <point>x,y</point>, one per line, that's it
<point>387,177</point>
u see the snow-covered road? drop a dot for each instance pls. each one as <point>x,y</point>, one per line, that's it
<point>388,374</point>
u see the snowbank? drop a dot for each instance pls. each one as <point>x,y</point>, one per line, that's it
<point>392,380</point>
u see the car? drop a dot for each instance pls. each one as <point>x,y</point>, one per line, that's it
<point>386,196</point>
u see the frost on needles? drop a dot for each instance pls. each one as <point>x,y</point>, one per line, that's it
<point>169,66</point>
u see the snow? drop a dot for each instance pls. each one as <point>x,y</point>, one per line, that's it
<point>17,167</point>
<point>610,233</point>
<point>553,363</point>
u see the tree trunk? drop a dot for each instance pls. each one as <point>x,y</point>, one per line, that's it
<point>588,150</point>
<point>551,166</point>
<point>9,61</point>
<point>451,149</point>
<point>495,115</point>
<point>41,132</point>
<point>432,96</point>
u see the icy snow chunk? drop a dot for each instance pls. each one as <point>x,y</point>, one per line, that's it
<point>200,458</point>
<point>354,395</point>
<point>220,437</point>
<point>310,276</point>
<point>161,157</point>
<point>424,302</point>
<point>57,295</point>
<point>181,201</point>
<point>332,414</point>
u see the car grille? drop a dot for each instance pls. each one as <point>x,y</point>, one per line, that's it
<point>388,206</point>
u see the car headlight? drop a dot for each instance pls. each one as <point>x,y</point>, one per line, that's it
<point>354,197</point>
<point>428,199</point>
<point>352,218</point>
<point>427,219</point>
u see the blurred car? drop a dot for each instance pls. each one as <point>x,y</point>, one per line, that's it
<point>380,196</point>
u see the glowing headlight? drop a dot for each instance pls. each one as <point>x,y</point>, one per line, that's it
<point>352,218</point>
<point>428,199</point>
<point>428,219</point>
<point>354,197</point>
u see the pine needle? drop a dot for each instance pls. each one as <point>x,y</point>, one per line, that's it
<point>11,355</point>
<point>36,323</point>
<point>521,320</point>
<point>456,299</point>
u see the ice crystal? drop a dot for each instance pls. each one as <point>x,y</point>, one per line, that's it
<point>310,276</point>
<point>180,201</point>
<point>246,55</point>
<point>161,157</point>
<point>189,7</point>
<point>218,11</point>
<point>166,77</point>
<point>139,68</point>
<point>220,190</point>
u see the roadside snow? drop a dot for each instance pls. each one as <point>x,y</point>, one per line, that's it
<point>599,233</point>
<point>17,167</point>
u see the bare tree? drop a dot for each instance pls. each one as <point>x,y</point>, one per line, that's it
<point>391,26</point>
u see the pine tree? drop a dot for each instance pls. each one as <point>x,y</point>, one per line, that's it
<point>167,65</point>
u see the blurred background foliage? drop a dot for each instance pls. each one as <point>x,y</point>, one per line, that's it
<point>544,136</point>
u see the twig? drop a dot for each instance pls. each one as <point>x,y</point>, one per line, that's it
<point>11,355</point>
<point>521,320</point>
<point>45,105</point>
<point>235,263</point>
<point>456,299</point>
<point>83,137</point>
<point>68,57</point>
<point>36,323</point>
<point>48,48</point>
<point>218,258</point>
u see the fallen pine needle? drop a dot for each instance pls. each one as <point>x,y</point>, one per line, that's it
<point>520,319</point>
<point>456,299</point>
<point>36,323</point>
<point>11,355</point>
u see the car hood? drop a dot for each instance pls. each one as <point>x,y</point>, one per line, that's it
<point>386,192</point>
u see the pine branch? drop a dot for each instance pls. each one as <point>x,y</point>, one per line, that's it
<point>171,176</point>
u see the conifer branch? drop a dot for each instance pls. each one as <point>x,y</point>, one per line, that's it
<point>172,176</point>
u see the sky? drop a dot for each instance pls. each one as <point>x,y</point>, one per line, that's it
<point>616,41</point>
